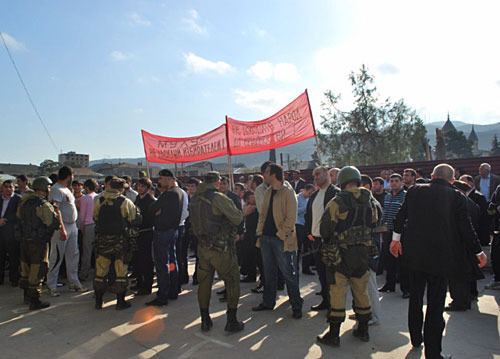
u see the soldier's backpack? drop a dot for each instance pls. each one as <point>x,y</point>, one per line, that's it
<point>110,219</point>
<point>207,226</point>
<point>30,226</point>
<point>356,229</point>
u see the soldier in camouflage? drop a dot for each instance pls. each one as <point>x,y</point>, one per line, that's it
<point>37,222</point>
<point>346,229</point>
<point>116,219</point>
<point>214,220</point>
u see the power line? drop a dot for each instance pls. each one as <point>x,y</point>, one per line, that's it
<point>28,94</point>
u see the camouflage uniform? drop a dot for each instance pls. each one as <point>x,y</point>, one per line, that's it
<point>214,220</point>
<point>346,229</point>
<point>114,241</point>
<point>37,222</point>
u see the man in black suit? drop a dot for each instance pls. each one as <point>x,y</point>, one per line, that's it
<point>484,221</point>
<point>439,234</point>
<point>8,243</point>
<point>314,211</point>
<point>297,182</point>
<point>486,182</point>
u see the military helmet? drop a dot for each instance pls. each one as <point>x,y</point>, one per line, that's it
<point>41,183</point>
<point>348,174</point>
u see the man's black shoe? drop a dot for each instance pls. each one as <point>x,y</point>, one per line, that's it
<point>297,314</point>
<point>258,290</point>
<point>387,289</point>
<point>454,308</point>
<point>248,279</point>
<point>321,306</point>
<point>261,307</point>
<point>405,295</point>
<point>307,271</point>
<point>157,302</point>
<point>142,291</point>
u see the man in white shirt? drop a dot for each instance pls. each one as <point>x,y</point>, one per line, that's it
<point>64,243</point>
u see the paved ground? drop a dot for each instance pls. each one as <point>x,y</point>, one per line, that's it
<point>71,328</point>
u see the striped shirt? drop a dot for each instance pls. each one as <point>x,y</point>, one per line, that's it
<point>392,204</point>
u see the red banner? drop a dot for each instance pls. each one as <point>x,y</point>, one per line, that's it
<point>290,125</point>
<point>160,149</point>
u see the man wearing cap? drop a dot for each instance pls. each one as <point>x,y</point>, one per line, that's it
<point>114,215</point>
<point>167,211</point>
<point>214,220</point>
<point>38,220</point>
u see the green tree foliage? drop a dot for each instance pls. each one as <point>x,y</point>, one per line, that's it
<point>373,132</point>
<point>48,167</point>
<point>495,146</point>
<point>457,145</point>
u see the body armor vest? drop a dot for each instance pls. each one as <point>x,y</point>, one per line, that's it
<point>31,227</point>
<point>110,220</point>
<point>208,227</point>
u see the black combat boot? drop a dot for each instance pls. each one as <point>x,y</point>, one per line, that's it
<point>98,300</point>
<point>331,338</point>
<point>121,302</point>
<point>232,324</point>
<point>38,304</point>
<point>206,321</point>
<point>361,331</point>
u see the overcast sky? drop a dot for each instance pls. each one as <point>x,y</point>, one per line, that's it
<point>100,71</point>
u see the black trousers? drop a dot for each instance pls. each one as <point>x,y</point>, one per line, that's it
<point>144,261</point>
<point>460,292</point>
<point>495,257</point>
<point>396,268</point>
<point>304,252</point>
<point>434,323</point>
<point>9,248</point>
<point>178,253</point>
<point>321,269</point>
<point>249,255</point>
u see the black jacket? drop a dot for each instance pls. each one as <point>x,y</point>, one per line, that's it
<point>300,184</point>
<point>167,209</point>
<point>484,219</point>
<point>145,206</point>
<point>331,192</point>
<point>8,230</point>
<point>439,236</point>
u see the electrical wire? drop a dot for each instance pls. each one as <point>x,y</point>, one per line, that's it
<point>28,94</point>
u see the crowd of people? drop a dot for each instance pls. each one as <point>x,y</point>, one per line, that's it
<point>345,228</point>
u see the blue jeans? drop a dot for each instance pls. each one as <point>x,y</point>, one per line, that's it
<point>274,257</point>
<point>166,264</point>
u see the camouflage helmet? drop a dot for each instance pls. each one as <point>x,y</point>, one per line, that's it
<point>348,174</point>
<point>41,183</point>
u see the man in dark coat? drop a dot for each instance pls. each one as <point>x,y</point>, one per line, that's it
<point>439,234</point>
<point>314,211</point>
<point>486,182</point>
<point>484,223</point>
<point>8,243</point>
<point>297,182</point>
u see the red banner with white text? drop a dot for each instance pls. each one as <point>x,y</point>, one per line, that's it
<point>292,124</point>
<point>160,149</point>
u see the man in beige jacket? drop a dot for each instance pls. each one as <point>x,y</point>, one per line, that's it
<point>278,240</point>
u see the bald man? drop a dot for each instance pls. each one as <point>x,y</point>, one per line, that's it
<point>439,245</point>
<point>486,182</point>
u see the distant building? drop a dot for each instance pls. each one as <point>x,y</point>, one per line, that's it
<point>474,139</point>
<point>74,159</point>
<point>19,169</point>
<point>123,169</point>
<point>448,126</point>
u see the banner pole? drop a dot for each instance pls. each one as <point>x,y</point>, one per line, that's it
<point>147,170</point>
<point>314,127</point>
<point>231,179</point>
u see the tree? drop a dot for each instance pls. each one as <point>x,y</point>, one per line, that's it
<point>48,167</point>
<point>457,145</point>
<point>315,158</point>
<point>495,146</point>
<point>373,132</point>
<point>440,149</point>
